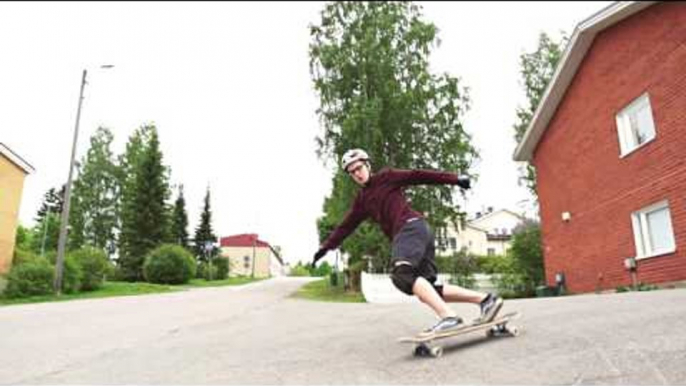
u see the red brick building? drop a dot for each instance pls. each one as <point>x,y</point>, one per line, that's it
<point>609,145</point>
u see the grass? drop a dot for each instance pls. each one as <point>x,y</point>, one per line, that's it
<point>118,288</point>
<point>108,289</point>
<point>221,283</point>
<point>321,290</point>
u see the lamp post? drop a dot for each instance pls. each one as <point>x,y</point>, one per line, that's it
<point>64,221</point>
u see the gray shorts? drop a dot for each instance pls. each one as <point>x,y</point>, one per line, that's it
<point>415,244</point>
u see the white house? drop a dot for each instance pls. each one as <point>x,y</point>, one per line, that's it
<point>486,234</point>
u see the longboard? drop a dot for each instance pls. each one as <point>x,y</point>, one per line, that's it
<point>497,327</point>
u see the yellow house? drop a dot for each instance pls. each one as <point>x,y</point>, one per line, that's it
<point>13,169</point>
<point>248,256</point>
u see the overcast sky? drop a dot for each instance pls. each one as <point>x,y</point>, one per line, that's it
<point>228,86</point>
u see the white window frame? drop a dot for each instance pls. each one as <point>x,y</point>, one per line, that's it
<point>626,133</point>
<point>639,221</point>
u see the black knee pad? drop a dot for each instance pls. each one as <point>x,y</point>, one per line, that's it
<point>403,276</point>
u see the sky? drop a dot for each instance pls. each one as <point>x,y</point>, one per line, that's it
<point>228,86</point>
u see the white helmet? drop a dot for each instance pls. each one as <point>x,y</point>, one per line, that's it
<point>353,155</point>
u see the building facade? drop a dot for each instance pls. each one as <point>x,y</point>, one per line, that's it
<point>489,233</point>
<point>250,256</point>
<point>608,144</point>
<point>13,170</point>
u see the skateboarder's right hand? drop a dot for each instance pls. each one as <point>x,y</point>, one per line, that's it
<point>318,255</point>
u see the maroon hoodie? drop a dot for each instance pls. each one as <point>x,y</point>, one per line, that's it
<point>383,199</point>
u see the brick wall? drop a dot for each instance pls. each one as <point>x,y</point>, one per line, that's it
<point>578,158</point>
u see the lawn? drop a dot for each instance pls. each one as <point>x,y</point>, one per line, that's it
<point>321,290</point>
<point>117,288</point>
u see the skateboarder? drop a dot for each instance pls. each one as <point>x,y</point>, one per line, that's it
<point>413,268</point>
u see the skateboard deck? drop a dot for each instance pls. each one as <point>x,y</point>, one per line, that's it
<point>497,327</point>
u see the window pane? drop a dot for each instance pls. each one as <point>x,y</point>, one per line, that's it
<point>644,125</point>
<point>635,132</point>
<point>660,228</point>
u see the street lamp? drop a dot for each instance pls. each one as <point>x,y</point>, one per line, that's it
<point>64,221</point>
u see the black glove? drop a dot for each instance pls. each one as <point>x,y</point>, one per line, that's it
<point>318,255</point>
<point>464,182</point>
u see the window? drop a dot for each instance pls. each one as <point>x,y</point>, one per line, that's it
<point>453,243</point>
<point>246,262</point>
<point>491,252</point>
<point>441,243</point>
<point>635,125</point>
<point>653,231</point>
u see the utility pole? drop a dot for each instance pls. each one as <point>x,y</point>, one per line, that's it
<point>64,221</point>
<point>59,267</point>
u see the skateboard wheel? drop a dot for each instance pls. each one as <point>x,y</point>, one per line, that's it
<point>514,331</point>
<point>437,351</point>
<point>422,350</point>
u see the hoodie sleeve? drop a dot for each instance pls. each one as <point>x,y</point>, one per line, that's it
<point>352,219</point>
<point>421,177</point>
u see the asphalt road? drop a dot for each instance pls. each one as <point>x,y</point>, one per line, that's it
<point>257,334</point>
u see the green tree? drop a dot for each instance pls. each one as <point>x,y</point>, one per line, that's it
<point>204,232</point>
<point>369,63</point>
<point>52,202</point>
<point>179,223</point>
<point>144,211</point>
<point>536,69</point>
<point>527,253</point>
<point>129,162</point>
<point>94,218</point>
<point>45,234</point>
<point>23,238</point>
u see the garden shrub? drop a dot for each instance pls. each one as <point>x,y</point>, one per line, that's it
<point>94,266</point>
<point>31,278</point>
<point>169,264</point>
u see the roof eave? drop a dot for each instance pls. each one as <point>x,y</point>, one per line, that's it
<point>16,159</point>
<point>576,50</point>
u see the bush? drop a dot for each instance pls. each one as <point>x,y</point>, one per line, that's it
<point>22,256</point>
<point>300,270</point>
<point>30,278</point>
<point>71,275</point>
<point>207,271</point>
<point>71,272</point>
<point>169,264</point>
<point>322,270</point>
<point>495,264</point>
<point>94,266</point>
<point>222,265</point>
<point>461,266</point>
